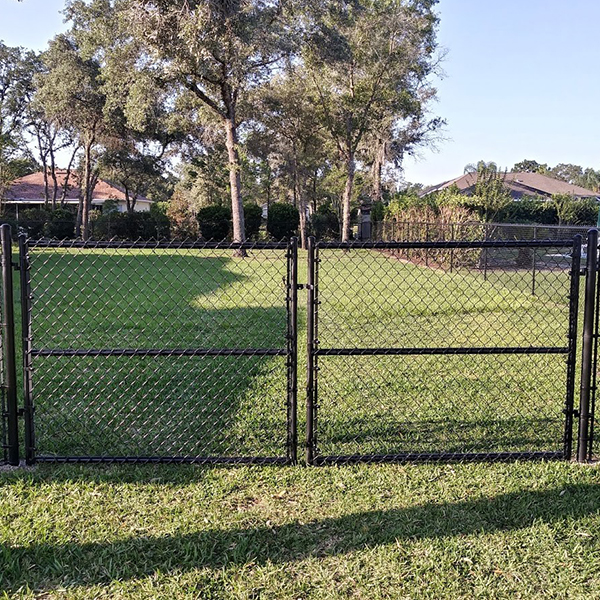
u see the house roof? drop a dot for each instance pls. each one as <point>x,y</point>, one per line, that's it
<point>31,189</point>
<point>521,184</point>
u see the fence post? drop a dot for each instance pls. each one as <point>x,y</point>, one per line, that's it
<point>292,338</point>
<point>588,345</point>
<point>8,346</point>
<point>533,265</point>
<point>311,359</point>
<point>26,298</point>
<point>426,248</point>
<point>485,253</point>
<point>575,278</point>
<point>451,249</point>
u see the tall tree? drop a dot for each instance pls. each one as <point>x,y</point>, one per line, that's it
<point>16,84</point>
<point>288,116</point>
<point>219,51</point>
<point>368,60</point>
<point>530,166</point>
<point>71,94</point>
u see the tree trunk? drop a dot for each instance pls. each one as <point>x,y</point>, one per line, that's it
<point>376,171</point>
<point>130,205</point>
<point>79,215</point>
<point>237,208</point>
<point>350,170</point>
<point>46,187</point>
<point>299,192</point>
<point>87,191</point>
<point>65,190</point>
<point>54,179</point>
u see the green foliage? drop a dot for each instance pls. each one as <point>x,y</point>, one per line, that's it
<point>131,226</point>
<point>282,220</point>
<point>183,223</point>
<point>530,166</point>
<point>325,224</point>
<point>60,225</point>
<point>377,211</point>
<point>110,206</point>
<point>214,222</point>
<point>159,209</point>
<point>252,220</point>
<point>33,221</point>
<point>572,211</point>
<point>529,210</point>
<point>491,196</point>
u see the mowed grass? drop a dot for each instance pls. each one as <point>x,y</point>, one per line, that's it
<point>236,406</point>
<point>521,530</point>
<point>516,530</point>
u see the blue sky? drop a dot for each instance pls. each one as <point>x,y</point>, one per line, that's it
<point>520,80</point>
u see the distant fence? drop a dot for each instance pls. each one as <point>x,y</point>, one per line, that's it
<point>484,259</point>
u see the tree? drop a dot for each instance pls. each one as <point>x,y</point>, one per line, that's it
<point>481,167</point>
<point>71,95</point>
<point>368,60</point>
<point>530,166</point>
<point>490,194</point>
<point>392,141</point>
<point>295,133</point>
<point>218,51</point>
<point>133,170</point>
<point>567,172</point>
<point>16,84</point>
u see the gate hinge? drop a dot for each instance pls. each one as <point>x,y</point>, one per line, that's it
<point>16,266</point>
<point>21,412</point>
<point>583,272</point>
<point>574,412</point>
<point>304,286</point>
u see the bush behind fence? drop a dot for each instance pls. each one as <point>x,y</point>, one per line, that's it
<point>436,231</point>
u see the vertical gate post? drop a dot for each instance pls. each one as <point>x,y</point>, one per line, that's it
<point>533,262</point>
<point>310,354</point>
<point>575,276</point>
<point>588,345</point>
<point>24,267</point>
<point>292,338</point>
<point>8,346</point>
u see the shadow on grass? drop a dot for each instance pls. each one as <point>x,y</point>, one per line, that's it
<point>167,406</point>
<point>452,435</point>
<point>43,566</point>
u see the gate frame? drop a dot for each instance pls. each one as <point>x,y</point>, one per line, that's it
<point>589,352</point>
<point>290,351</point>
<point>9,375</point>
<point>314,351</point>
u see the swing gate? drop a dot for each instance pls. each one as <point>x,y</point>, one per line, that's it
<point>188,352</point>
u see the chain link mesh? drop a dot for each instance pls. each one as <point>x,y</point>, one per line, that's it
<point>443,358</point>
<point>165,352</point>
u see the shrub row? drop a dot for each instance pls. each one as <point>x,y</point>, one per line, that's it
<point>216,224</point>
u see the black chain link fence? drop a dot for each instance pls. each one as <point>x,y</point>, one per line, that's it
<point>163,352</point>
<point>412,360</point>
<point>188,352</point>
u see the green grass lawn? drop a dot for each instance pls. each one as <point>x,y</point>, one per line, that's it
<point>522,530</point>
<point>236,406</point>
<point>516,530</point>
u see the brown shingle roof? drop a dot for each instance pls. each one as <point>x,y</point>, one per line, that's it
<point>522,184</point>
<point>31,188</point>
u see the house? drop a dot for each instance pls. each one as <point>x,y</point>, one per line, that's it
<point>28,192</point>
<point>519,184</point>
